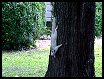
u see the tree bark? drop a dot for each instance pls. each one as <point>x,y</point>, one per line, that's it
<point>75,58</point>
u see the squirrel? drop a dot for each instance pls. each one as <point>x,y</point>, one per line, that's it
<point>54,47</point>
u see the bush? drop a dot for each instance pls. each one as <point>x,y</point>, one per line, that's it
<point>98,19</point>
<point>19,28</point>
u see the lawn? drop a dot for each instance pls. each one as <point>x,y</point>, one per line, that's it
<point>98,57</point>
<point>25,64</point>
<point>34,63</point>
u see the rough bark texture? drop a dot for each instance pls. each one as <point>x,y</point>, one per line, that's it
<point>76,32</point>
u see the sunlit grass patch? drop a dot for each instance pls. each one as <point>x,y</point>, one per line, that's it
<point>98,59</point>
<point>25,64</point>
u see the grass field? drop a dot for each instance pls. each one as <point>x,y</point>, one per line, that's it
<point>98,58</point>
<point>34,63</point>
<point>25,64</point>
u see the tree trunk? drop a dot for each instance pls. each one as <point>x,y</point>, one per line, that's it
<point>75,58</point>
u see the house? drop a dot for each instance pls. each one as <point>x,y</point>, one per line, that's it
<point>48,14</point>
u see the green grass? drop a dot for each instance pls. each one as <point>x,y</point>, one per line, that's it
<point>35,63</point>
<point>98,59</point>
<point>25,64</point>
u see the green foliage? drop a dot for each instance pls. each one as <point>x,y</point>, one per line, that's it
<point>40,11</point>
<point>98,19</point>
<point>19,25</point>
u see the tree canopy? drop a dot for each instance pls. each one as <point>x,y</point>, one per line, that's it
<point>98,19</point>
<point>22,23</point>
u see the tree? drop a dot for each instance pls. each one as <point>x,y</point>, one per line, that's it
<point>98,19</point>
<point>75,58</point>
<point>20,28</point>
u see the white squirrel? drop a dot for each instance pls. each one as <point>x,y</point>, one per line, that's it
<point>54,47</point>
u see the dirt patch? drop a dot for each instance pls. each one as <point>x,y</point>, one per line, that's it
<point>42,43</point>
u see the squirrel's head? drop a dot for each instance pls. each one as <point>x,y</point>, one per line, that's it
<point>52,52</point>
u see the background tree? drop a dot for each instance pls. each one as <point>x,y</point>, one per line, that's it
<point>76,32</point>
<point>98,19</point>
<point>20,28</point>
